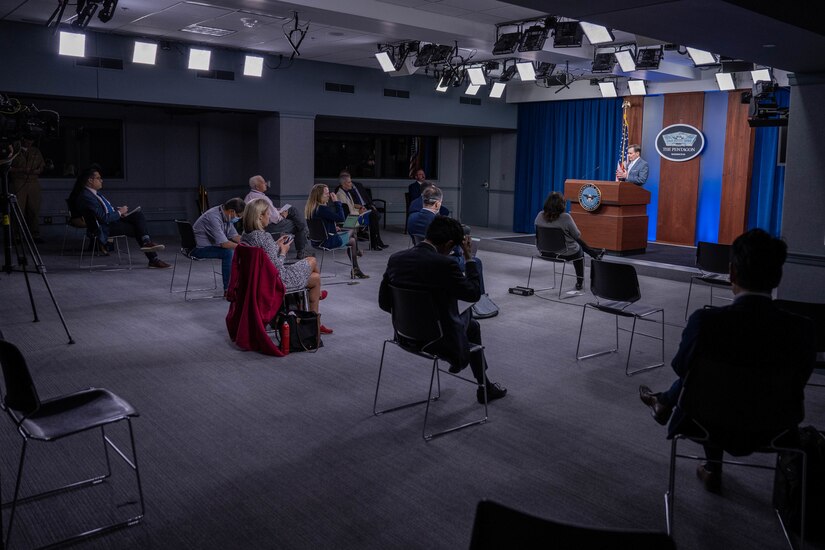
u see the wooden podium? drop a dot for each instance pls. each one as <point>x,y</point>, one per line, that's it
<point>620,223</point>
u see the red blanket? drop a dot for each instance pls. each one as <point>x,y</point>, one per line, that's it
<point>256,293</point>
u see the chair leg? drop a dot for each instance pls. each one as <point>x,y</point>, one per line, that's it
<point>598,353</point>
<point>375,410</point>
<point>687,305</point>
<point>670,495</point>
<point>530,273</point>
<point>14,500</point>
<point>630,348</point>
<point>174,268</point>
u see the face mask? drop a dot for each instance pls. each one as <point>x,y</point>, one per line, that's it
<point>268,184</point>
<point>234,220</point>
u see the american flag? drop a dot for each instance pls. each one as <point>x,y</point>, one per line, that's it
<point>624,142</point>
<point>415,153</point>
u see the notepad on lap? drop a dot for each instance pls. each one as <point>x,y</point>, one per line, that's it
<point>132,211</point>
<point>351,222</point>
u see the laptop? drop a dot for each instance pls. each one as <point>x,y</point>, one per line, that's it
<point>355,221</point>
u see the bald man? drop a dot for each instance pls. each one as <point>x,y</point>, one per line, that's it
<point>290,220</point>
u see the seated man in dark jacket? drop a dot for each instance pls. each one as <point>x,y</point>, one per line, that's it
<point>752,335</point>
<point>111,220</point>
<point>428,266</point>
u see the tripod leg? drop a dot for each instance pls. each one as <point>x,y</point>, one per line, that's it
<point>28,243</point>
<point>19,248</point>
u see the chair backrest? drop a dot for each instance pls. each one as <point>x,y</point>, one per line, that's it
<point>316,230</point>
<point>187,235</point>
<point>72,218</point>
<point>550,240</point>
<point>92,225</point>
<point>20,394</point>
<point>746,377</point>
<point>416,239</point>
<point>497,526</point>
<point>414,316</point>
<point>713,257</point>
<point>814,312</point>
<point>614,281</point>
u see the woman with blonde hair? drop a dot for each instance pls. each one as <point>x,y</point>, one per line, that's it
<point>303,273</point>
<point>325,206</point>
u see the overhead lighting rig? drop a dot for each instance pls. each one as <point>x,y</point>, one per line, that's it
<point>86,9</point>
<point>391,57</point>
<point>433,54</point>
<point>648,59</point>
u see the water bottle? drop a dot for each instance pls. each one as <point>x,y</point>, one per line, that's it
<point>285,338</point>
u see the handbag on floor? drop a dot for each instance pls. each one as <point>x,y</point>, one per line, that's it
<point>304,330</point>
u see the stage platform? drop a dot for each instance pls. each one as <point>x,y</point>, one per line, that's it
<point>662,260</point>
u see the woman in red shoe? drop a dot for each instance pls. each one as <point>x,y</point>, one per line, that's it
<point>303,273</point>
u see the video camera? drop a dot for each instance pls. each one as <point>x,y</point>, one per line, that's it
<point>18,121</point>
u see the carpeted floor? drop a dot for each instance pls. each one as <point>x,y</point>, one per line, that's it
<point>240,450</point>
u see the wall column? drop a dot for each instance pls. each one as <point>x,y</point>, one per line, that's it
<point>286,155</point>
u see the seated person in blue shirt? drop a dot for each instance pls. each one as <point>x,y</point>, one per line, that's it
<point>215,235</point>
<point>325,206</point>
<point>111,220</point>
<point>421,220</point>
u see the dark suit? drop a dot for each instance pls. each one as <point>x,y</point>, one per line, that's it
<point>418,204</point>
<point>109,220</point>
<point>414,190</point>
<point>423,268</point>
<point>751,335</point>
<point>419,221</point>
<point>638,172</point>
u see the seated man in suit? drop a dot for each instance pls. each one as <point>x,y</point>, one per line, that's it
<point>637,168</point>
<point>427,266</point>
<point>417,186</point>
<point>290,220</point>
<point>111,220</point>
<point>357,200</point>
<point>749,333</point>
<point>417,204</point>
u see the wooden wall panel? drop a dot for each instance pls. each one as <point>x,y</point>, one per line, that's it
<point>736,171</point>
<point>635,116</point>
<point>679,181</point>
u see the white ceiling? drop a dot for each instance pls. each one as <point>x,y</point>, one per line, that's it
<point>348,31</point>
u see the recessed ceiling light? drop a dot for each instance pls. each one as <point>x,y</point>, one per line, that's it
<point>209,31</point>
<point>72,44</point>
<point>336,33</point>
<point>253,65</point>
<point>768,45</point>
<point>199,59</point>
<point>145,53</point>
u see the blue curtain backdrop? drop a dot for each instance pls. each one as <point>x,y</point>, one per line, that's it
<point>768,177</point>
<point>558,140</point>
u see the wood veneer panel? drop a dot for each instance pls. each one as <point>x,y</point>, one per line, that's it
<point>635,116</point>
<point>736,170</point>
<point>679,181</point>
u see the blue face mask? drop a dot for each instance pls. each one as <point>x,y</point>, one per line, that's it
<point>234,220</point>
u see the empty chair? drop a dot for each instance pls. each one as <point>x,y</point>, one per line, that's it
<point>552,246</point>
<point>617,292</point>
<point>713,260</point>
<point>317,236</point>
<point>497,527</point>
<point>58,418</point>
<point>187,245</point>
<point>91,236</point>
<point>416,330</point>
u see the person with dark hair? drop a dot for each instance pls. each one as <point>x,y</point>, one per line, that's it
<point>554,215</point>
<point>111,221</point>
<point>417,186</point>
<point>216,237</point>
<point>427,266</point>
<point>637,168</point>
<point>357,200</point>
<point>748,333</point>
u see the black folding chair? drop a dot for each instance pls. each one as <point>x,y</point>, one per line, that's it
<point>816,313</point>
<point>58,418</point>
<point>417,330</point>
<point>317,236</point>
<point>741,409</point>
<point>713,261</point>
<point>551,245</point>
<point>497,526</point>
<point>187,245</point>
<point>618,285</point>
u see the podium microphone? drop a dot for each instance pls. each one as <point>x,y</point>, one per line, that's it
<point>593,171</point>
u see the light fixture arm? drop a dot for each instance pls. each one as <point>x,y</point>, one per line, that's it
<point>300,30</point>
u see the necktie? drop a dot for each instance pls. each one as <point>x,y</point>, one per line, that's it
<point>106,204</point>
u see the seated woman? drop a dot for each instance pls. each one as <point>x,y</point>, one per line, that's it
<point>325,206</point>
<point>303,273</point>
<point>554,215</point>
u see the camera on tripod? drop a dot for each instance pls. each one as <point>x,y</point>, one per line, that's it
<point>18,121</point>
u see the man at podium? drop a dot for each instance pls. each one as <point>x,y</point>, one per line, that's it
<point>637,168</point>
